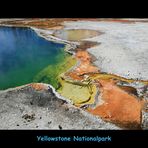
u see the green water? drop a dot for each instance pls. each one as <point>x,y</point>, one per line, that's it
<point>46,74</point>
<point>23,55</point>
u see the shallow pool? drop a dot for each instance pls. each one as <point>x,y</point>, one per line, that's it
<point>76,34</point>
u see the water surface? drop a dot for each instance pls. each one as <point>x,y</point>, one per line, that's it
<point>76,34</point>
<point>23,54</point>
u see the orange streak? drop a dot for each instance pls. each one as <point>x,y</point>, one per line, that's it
<point>84,67</point>
<point>119,107</point>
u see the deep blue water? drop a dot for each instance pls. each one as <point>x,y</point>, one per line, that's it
<point>23,54</point>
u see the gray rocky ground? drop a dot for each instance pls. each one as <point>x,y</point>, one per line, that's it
<point>26,108</point>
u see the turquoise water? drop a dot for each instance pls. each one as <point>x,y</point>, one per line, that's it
<point>23,54</point>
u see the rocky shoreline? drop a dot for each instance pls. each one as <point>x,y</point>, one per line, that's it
<point>28,108</point>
